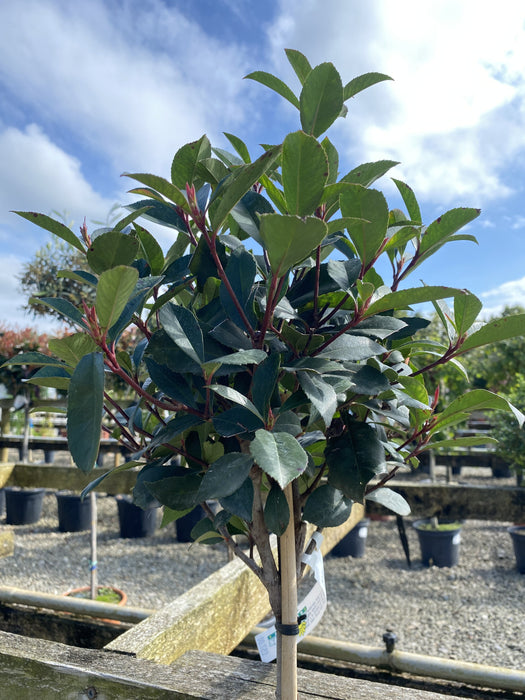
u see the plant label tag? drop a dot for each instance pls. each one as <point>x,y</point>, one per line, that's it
<point>309,611</point>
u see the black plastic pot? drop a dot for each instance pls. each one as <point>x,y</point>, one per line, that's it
<point>500,468</point>
<point>135,522</point>
<point>353,544</point>
<point>2,503</point>
<point>184,525</point>
<point>438,547</point>
<point>49,456</point>
<point>23,506</point>
<point>74,514</point>
<point>517,533</point>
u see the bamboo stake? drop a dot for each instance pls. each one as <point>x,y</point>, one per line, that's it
<point>93,533</point>
<point>287,649</point>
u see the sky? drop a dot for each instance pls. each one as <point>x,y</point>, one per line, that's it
<point>91,90</point>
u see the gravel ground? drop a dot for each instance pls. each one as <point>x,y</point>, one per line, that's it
<point>474,611</point>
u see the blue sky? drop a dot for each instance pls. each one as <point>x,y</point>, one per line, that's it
<point>90,90</point>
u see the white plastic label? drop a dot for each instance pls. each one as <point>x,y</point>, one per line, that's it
<point>312,606</point>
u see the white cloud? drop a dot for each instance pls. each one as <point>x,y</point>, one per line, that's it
<point>510,293</point>
<point>133,81</point>
<point>454,115</point>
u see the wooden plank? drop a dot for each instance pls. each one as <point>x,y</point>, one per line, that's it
<point>215,615</point>
<point>52,476</point>
<point>48,670</point>
<point>460,501</point>
<point>7,542</point>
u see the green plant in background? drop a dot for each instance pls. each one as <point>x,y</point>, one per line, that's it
<point>275,360</point>
<point>510,435</point>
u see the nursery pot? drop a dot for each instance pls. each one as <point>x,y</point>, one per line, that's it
<point>134,521</point>
<point>517,533</point>
<point>105,594</point>
<point>23,506</point>
<point>184,525</point>
<point>500,468</point>
<point>438,546</point>
<point>353,544</point>
<point>74,514</point>
<point>2,503</point>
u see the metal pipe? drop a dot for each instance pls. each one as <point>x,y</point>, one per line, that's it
<point>78,606</point>
<point>445,669</point>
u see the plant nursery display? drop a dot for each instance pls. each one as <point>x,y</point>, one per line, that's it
<point>273,359</point>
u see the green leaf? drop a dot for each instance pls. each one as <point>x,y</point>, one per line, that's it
<point>276,511</point>
<point>327,507</point>
<point>264,382</point>
<point>240,271</point>
<point>409,198</point>
<point>246,213</point>
<point>367,173</point>
<point>406,297</point>
<point>84,410</point>
<point>321,394</point>
<point>390,499</point>
<point>32,358</point>
<point>443,229</point>
<point>49,224</point>
<point>183,328</point>
<point>161,213</point>
<point>163,186</point>
<point>72,348</point>
<point>236,421</point>
<point>348,348</point>
<point>275,84</point>
<point>288,422</point>
<point>239,146</point>
<point>495,331</point>
<point>476,400</point>
<point>371,207</point>
<point>321,99</point>
<point>111,249</point>
<point>290,239</point>
<point>176,492</point>
<point>362,82</point>
<point>466,309</point>
<point>225,476</point>
<point>304,173</point>
<point>114,288</point>
<point>299,63</point>
<point>354,458</point>
<point>151,249</point>
<point>236,397</point>
<point>231,190</point>
<point>55,377</point>
<point>170,383</point>
<point>333,159</point>
<point>279,455</point>
<point>184,165</point>
<point>240,502</point>
<point>64,307</point>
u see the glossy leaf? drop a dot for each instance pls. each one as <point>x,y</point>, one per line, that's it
<point>236,421</point>
<point>405,298</point>
<point>176,492</point>
<point>151,249</point>
<point>354,458</point>
<point>171,383</point>
<point>240,272</point>
<point>264,382</point>
<point>370,206</point>
<point>72,348</point>
<point>279,455</point>
<point>390,499</point>
<point>275,84</point>
<point>225,476</point>
<point>320,393</point>
<point>466,309</point>
<point>409,198</point>
<point>247,211</point>
<point>333,159</point>
<point>114,288</point>
<point>239,146</point>
<point>443,229</point>
<point>84,410</point>
<point>495,331</point>
<point>235,396</point>
<point>321,99</point>
<point>327,507</point>
<point>240,502</point>
<point>299,63</point>
<point>65,308</point>
<point>348,348</point>
<point>184,164</point>
<point>32,358</point>
<point>276,511</point>
<point>367,173</point>
<point>183,328</point>
<point>290,239</point>
<point>476,400</point>
<point>362,82</point>
<point>304,173</point>
<point>231,190</point>
<point>49,224</point>
<point>161,213</point>
<point>110,250</point>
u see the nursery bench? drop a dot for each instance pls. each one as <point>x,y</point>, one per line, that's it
<point>58,443</point>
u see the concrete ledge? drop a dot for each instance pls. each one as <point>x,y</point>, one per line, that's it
<point>7,542</point>
<point>38,668</point>
<point>51,476</point>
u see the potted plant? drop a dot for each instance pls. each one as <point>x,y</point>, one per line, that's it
<point>510,447</point>
<point>23,506</point>
<point>74,512</point>
<point>439,541</point>
<point>274,358</point>
<point>517,533</point>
